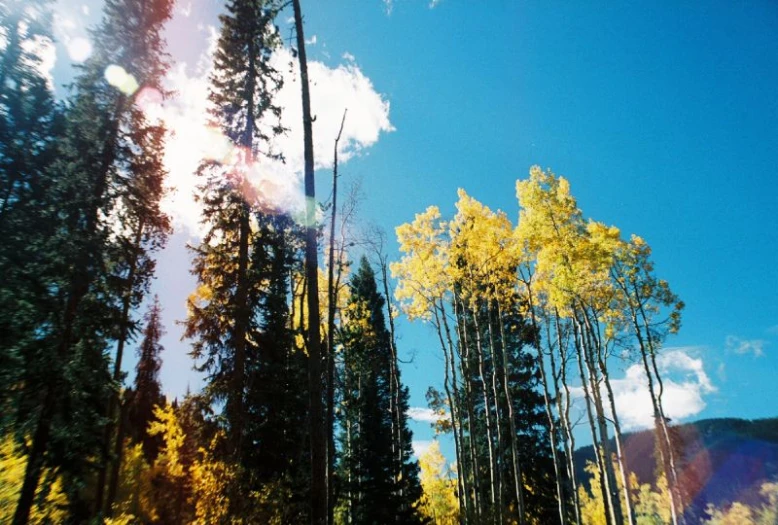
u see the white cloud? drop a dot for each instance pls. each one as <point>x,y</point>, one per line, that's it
<point>312,41</point>
<point>426,415</point>
<point>332,91</point>
<point>745,346</point>
<point>421,446</point>
<point>685,385</point>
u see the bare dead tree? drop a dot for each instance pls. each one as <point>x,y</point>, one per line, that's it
<point>317,427</point>
<point>331,335</point>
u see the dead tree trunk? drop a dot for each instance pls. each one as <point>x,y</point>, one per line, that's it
<point>318,437</point>
<point>331,336</point>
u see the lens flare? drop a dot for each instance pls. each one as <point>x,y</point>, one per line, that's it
<point>79,49</point>
<point>150,101</point>
<point>120,79</point>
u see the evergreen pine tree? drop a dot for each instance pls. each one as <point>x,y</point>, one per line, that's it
<point>66,379</point>
<point>238,317</point>
<point>29,122</point>
<point>531,423</point>
<point>276,397</point>
<point>372,491</point>
<point>147,390</point>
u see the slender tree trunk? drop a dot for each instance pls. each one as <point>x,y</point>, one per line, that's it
<point>563,407</point>
<point>331,338</point>
<point>610,477</point>
<point>674,486</point>
<point>115,401</point>
<point>463,478</point>
<point>449,384</point>
<point>561,507</point>
<point>515,460</point>
<point>467,381</point>
<point>350,495</point>
<point>598,451</point>
<point>118,453</point>
<point>318,437</point>
<point>549,410</point>
<point>497,418</point>
<point>35,460</point>
<point>598,357</point>
<point>471,483</point>
<point>626,488</point>
<point>487,414</point>
<point>659,433</point>
<point>397,431</point>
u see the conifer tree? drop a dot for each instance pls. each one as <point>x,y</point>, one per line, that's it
<point>147,389</point>
<point>371,489</point>
<point>29,123</point>
<point>242,86</point>
<point>239,316</point>
<point>67,384</point>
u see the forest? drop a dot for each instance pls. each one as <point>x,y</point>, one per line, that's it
<point>304,412</point>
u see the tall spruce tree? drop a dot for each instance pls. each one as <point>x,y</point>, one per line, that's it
<point>147,389</point>
<point>238,317</point>
<point>29,121</point>
<point>66,381</point>
<point>531,424</point>
<point>373,487</point>
<point>276,398</point>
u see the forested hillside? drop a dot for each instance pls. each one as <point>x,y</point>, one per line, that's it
<point>723,460</point>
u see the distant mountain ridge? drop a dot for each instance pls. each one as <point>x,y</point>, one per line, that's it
<point>722,460</point>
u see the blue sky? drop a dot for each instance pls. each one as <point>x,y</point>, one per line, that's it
<point>664,118</point>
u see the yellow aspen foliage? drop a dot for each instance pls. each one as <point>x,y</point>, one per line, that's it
<point>482,253</point>
<point>736,514</point>
<point>299,320</point>
<point>742,514</point>
<point>50,499</point>
<point>592,504</point>
<point>422,272</point>
<point>571,258</point>
<point>210,480</point>
<point>135,497</point>
<point>168,427</point>
<point>439,500</point>
<point>652,506</point>
<point>195,478</point>
<point>639,287</point>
